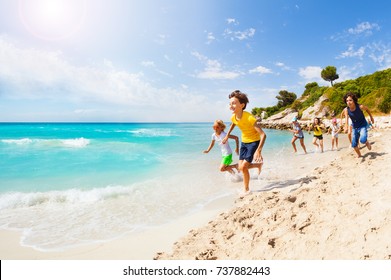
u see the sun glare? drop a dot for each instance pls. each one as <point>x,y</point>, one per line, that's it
<point>52,19</point>
<point>52,9</point>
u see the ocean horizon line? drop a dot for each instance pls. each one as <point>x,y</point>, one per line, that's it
<point>100,122</point>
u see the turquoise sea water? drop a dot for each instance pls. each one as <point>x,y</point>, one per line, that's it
<point>66,184</point>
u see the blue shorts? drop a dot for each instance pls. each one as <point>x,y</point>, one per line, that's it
<point>359,133</point>
<point>247,151</point>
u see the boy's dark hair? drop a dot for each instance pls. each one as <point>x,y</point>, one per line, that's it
<point>242,97</point>
<point>352,95</point>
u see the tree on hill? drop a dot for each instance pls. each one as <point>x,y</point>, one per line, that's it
<point>329,74</point>
<point>310,87</point>
<point>373,90</point>
<point>285,98</point>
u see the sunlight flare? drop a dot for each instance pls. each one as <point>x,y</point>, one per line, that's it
<point>52,19</point>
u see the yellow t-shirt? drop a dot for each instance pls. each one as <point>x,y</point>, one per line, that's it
<point>317,130</point>
<point>246,125</point>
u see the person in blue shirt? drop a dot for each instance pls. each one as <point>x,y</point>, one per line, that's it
<point>297,134</point>
<point>355,112</point>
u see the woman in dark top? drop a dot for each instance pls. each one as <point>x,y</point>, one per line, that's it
<point>355,112</point>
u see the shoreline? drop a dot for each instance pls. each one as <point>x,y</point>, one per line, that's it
<point>141,245</point>
<point>338,211</point>
<point>163,242</point>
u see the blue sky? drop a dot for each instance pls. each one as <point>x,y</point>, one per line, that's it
<point>176,60</point>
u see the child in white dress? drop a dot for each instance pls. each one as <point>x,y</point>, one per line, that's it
<point>217,137</point>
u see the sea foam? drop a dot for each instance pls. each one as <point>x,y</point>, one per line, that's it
<point>23,141</point>
<point>72,143</point>
<point>144,132</point>
<point>13,200</point>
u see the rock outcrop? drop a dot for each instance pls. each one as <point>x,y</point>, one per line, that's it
<point>283,119</point>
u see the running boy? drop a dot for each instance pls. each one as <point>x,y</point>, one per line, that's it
<point>218,136</point>
<point>253,137</point>
<point>355,112</point>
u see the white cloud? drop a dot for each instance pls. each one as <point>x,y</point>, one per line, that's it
<point>361,29</point>
<point>199,56</point>
<point>27,68</point>
<point>161,39</point>
<point>152,65</point>
<point>351,72</point>
<point>85,111</point>
<point>282,66</point>
<point>351,52</point>
<point>148,63</point>
<point>240,35</point>
<point>31,74</point>
<point>213,69</point>
<point>210,38</point>
<point>263,97</point>
<point>380,54</point>
<point>232,21</point>
<point>217,75</point>
<point>260,70</point>
<point>364,27</point>
<point>310,73</point>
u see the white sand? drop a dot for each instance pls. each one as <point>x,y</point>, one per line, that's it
<point>338,211</point>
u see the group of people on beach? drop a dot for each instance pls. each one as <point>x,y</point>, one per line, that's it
<point>318,128</point>
<point>253,137</point>
<point>352,119</point>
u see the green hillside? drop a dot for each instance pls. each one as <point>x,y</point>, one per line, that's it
<point>373,90</point>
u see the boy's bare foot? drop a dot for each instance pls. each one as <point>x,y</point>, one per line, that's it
<point>259,167</point>
<point>368,145</point>
<point>245,193</point>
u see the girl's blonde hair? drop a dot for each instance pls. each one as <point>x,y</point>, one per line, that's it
<point>221,124</point>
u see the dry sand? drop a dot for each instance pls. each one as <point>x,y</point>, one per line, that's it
<point>338,211</point>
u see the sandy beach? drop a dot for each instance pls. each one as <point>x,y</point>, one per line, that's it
<point>141,245</point>
<point>338,208</point>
